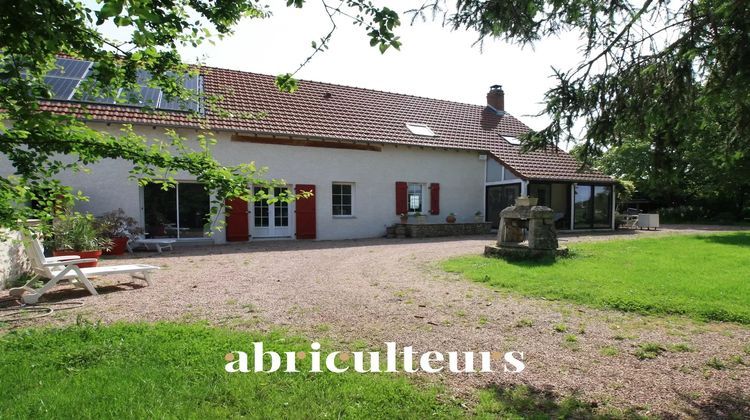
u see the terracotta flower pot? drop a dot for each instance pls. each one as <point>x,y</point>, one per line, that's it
<point>83,254</point>
<point>404,220</point>
<point>119,245</point>
<point>450,219</point>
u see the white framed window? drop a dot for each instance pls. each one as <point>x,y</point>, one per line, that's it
<point>342,199</point>
<point>415,198</point>
<point>420,130</point>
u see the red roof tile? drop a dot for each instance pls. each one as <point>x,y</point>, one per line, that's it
<point>347,113</point>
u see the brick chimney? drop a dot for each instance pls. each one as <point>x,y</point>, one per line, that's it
<point>496,98</point>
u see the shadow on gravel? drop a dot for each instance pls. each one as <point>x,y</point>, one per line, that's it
<point>733,404</point>
<point>271,246</point>
<point>528,402</point>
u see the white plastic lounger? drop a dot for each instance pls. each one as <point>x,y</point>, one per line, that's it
<point>160,244</point>
<point>66,268</point>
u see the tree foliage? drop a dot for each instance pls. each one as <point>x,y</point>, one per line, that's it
<point>707,170</point>
<point>664,80</point>
<point>39,145</point>
<point>648,68</point>
<point>662,91</point>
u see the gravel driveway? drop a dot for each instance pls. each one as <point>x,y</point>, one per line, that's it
<point>366,292</point>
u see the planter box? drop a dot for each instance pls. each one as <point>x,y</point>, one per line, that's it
<point>648,221</point>
<point>119,246</point>
<point>82,254</point>
<point>433,230</point>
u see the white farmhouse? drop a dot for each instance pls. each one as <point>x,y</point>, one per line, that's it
<point>368,155</point>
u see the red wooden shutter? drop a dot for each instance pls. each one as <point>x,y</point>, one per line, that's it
<point>435,198</point>
<point>238,227</point>
<point>401,193</point>
<point>305,213</point>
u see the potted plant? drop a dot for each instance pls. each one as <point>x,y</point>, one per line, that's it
<point>77,234</point>
<point>404,218</point>
<point>119,228</point>
<point>451,218</point>
<point>478,217</point>
<point>421,218</point>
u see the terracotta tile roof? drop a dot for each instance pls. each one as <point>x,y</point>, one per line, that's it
<point>347,113</point>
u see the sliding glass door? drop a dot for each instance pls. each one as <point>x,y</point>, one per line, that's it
<point>178,212</point>
<point>592,208</point>
<point>498,198</point>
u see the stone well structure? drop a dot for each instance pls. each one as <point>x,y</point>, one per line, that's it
<point>526,231</point>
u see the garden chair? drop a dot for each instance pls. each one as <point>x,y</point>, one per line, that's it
<point>160,244</point>
<point>630,218</point>
<point>65,268</point>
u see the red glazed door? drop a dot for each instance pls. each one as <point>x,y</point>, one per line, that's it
<point>238,228</point>
<point>305,213</point>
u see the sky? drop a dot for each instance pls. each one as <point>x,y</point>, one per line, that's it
<point>433,62</point>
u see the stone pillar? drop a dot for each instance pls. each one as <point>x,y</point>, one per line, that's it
<point>542,234</point>
<point>13,260</point>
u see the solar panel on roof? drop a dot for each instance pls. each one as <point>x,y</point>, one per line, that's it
<point>190,83</point>
<point>64,82</point>
<point>74,69</point>
<point>150,96</point>
<point>61,87</point>
<point>142,77</point>
<point>88,97</point>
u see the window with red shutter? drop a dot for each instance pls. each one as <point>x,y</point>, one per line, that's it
<point>401,192</point>
<point>435,198</point>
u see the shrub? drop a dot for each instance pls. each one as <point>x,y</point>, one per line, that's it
<point>77,232</point>
<point>117,224</point>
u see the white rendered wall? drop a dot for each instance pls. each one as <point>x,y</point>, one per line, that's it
<point>374,174</point>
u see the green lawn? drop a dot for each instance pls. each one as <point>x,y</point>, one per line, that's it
<point>177,371</point>
<point>702,276</point>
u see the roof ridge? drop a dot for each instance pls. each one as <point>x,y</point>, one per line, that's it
<point>348,117</point>
<point>353,87</point>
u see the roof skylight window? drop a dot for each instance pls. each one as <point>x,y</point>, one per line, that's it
<point>512,140</point>
<point>420,130</point>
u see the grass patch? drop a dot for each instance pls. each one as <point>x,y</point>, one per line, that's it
<point>737,360</point>
<point>561,328</point>
<point>522,323</point>
<point>609,351</point>
<point>702,276</point>
<point>679,348</point>
<point>649,351</point>
<point>177,371</point>
<point>716,363</point>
